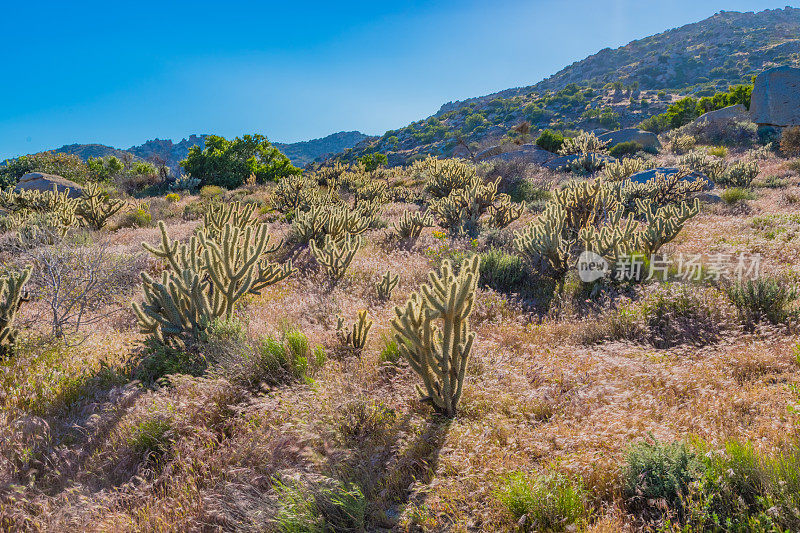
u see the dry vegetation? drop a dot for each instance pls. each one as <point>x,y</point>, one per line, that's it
<point>271,421</point>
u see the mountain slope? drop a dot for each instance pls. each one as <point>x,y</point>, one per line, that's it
<point>699,59</point>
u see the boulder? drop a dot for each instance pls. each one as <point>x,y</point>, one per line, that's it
<point>561,162</point>
<point>646,138</point>
<point>732,113</point>
<point>489,152</point>
<point>776,97</point>
<point>646,175</point>
<point>45,182</point>
<point>529,153</point>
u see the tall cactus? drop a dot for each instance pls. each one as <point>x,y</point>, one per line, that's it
<point>386,285</point>
<point>544,243</point>
<point>336,256</point>
<point>220,215</point>
<point>12,295</point>
<point>432,331</point>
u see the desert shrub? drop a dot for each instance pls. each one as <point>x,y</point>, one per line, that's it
<point>140,217</point>
<point>680,142</point>
<point>764,299</point>
<point>365,422</point>
<point>67,166</point>
<point>502,271</point>
<point>173,197</point>
<point>291,356</point>
<point>659,474</point>
<point>583,143</point>
<point>549,502</point>
<point>151,437</point>
<point>717,151</point>
<point>210,192</point>
<point>550,141</point>
<point>735,195</point>
<point>390,353</point>
<point>625,149</point>
<point>326,507</point>
<point>790,141</point>
<point>230,163</point>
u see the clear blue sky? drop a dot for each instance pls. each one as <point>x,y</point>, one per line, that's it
<point>121,73</point>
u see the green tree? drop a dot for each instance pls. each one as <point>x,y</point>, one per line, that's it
<point>229,163</point>
<point>373,161</point>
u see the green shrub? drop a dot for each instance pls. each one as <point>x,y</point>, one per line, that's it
<point>657,473</point>
<point>291,356</point>
<point>763,299</point>
<point>338,508</point>
<point>625,149</point>
<point>550,502</point>
<point>209,192</point>
<point>366,422</point>
<point>151,437</point>
<point>137,218</point>
<point>718,151</point>
<point>735,195</point>
<point>173,197</point>
<point>550,141</point>
<point>502,271</point>
<point>390,353</point>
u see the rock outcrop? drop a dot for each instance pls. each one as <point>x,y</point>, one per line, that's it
<point>776,97</point>
<point>645,138</point>
<point>45,182</point>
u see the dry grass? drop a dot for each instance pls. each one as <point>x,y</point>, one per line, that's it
<point>85,448</point>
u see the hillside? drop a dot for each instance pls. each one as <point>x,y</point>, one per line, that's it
<point>611,88</point>
<point>171,153</point>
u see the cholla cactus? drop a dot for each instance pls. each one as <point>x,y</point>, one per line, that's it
<point>443,176</point>
<point>410,225</point>
<point>432,332</point>
<point>714,168</point>
<point>740,174</point>
<point>584,143</point>
<point>386,285</point>
<point>310,225</point>
<point>545,243</point>
<point>12,295</point>
<point>184,183</point>
<point>503,212</point>
<point>336,256</point>
<point>661,189</point>
<point>95,206</point>
<point>205,278</point>
<point>374,191</point>
<point>355,337</point>
<point>220,215</point>
<point>625,168</point>
<point>461,210</point>
<point>291,193</point>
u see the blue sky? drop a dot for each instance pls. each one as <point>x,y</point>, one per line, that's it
<point>121,73</point>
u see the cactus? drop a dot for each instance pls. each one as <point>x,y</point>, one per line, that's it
<point>461,210</point>
<point>443,176</point>
<point>12,296</point>
<point>439,353</point>
<point>220,215</point>
<point>291,193</point>
<point>95,206</point>
<point>503,212</point>
<point>336,256</point>
<point>310,225</point>
<point>386,285</point>
<point>740,174</point>
<point>355,337</point>
<point>584,143</point>
<point>544,243</point>
<point>205,278</point>
<point>410,225</point>
<point>184,183</point>
<point>374,191</point>
<point>625,168</point>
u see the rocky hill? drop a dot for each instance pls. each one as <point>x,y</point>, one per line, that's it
<point>171,153</point>
<point>611,88</point>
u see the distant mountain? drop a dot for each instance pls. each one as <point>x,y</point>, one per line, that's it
<point>696,59</point>
<point>171,154</point>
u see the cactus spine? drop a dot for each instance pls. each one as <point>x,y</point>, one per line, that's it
<point>355,337</point>
<point>439,353</point>
<point>12,296</point>
<point>386,285</point>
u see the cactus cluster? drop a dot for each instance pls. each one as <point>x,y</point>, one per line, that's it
<point>611,219</point>
<point>583,143</point>
<point>625,168</point>
<point>432,332</point>
<point>12,296</point>
<point>409,227</point>
<point>206,276</point>
<point>184,183</point>
<point>95,206</point>
<point>354,337</point>
<point>335,221</point>
<point>460,211</point>
<point>443,176</point>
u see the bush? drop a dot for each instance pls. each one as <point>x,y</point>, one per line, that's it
<point>173,197</point>
<point>625,149</point>
<point>152,437</point>
<point>718,151</point>
<point>67,166</point>
<point>550,502</point>
<point>735,195</point>
<point>550,141</point>
<point>335,508</point>
<point>657,473</point>
<point>230,163</point>
<point>137,218</point>
<point>502,271</point>
<point>763,299</point>
<point>790,141</point>
<point>209,192</point>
